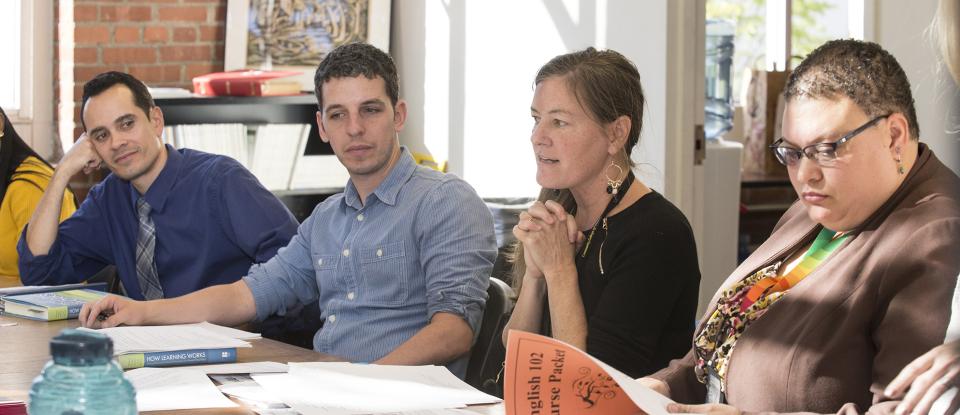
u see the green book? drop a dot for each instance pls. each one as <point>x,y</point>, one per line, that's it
<point>49,306</point>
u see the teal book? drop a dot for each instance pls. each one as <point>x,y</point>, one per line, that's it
<point>49,306</point>
<point>33,289</point>
<point>178,358</point>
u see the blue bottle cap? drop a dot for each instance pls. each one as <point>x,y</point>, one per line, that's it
<point>74,347</point>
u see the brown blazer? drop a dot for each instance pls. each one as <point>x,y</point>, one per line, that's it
<point>835,340</point>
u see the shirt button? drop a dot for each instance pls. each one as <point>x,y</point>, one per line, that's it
<point>346,252</point>
<point>332,318</point>
<point>360,217</point>
<point>320,261</point>
<point>350,296</point>
<point>379,252</point>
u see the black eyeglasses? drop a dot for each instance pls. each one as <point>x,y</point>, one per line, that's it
<point>823,153</point>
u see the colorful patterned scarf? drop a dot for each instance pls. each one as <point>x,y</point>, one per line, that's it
<point>746,301</point>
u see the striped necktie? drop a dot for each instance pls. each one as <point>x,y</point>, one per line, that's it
<point>146,246</point>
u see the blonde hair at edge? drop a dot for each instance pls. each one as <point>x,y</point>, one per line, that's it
<point>946,27</point>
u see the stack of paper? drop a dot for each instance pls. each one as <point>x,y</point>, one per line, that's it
<point>324,388</point>
<point>176,345</point>
<point>140,339</point>
<point>188,387</point>
<point>169,389</point>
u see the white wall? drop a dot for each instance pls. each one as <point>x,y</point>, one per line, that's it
<point>900,26</point>
<point>467,70</point>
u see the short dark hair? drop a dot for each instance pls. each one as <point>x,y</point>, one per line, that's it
<point>355,59</point>
<point>104,81</point>
<point>863,72</point>
<point>605,83</point>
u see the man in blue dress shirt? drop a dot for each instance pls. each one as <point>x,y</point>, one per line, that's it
<point>172,221</point>
<point>400,261</point>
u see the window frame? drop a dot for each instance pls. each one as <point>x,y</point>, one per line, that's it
<point>34,117</point>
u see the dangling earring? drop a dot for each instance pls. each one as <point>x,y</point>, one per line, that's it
<point>900,163</point>
<point>613,185</point>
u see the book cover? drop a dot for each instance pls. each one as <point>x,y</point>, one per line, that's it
<point>8,407</point>
<point>547,376</point>
<point>49,306</point>
<point>177,358</point>
<point>245,82</point>
<point>31,289</point>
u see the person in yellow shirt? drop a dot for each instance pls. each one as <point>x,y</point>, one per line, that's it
<point>23,177</point>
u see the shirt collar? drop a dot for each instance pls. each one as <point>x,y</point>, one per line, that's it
<point>389,188</point>
<point>160,190</point>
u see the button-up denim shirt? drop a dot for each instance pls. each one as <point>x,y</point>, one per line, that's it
<point>422,244</point>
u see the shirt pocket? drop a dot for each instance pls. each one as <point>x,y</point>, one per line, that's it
<point>382,277</point>
<point>325,267</point>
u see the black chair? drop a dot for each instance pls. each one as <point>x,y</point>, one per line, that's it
<point>486,357</point>
<point>109,276</point>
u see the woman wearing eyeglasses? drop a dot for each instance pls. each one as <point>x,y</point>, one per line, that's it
<point>23,177</point>
<point>858,276</point>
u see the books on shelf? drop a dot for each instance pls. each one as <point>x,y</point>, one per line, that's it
<point>318,172</point>
<point>178,358</point>
<point>247,82</point>
<point>50,303</point>
<point>272,152</point>
<point>544,375</point>
<point>276,151</point>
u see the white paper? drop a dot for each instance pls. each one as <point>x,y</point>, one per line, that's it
<point>645,398</point>
<point>143,339</point>
<point>229,331</point>
<point>168,389</point>
<point>251,367</point>
<point>254,396</point>
<point>345,388</point>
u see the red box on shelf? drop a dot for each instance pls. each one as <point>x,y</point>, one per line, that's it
<point>247,82</point>
<point>12,407</point>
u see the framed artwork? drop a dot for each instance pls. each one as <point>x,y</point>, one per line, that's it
<point>295,35</point>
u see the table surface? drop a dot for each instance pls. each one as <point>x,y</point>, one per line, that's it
<point>24,349</point>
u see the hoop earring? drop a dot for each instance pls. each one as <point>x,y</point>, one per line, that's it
<point>900,168</point>
<point>613,185</point>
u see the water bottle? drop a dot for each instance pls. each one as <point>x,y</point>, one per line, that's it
<point>83,378</point>
<point>718,83</point>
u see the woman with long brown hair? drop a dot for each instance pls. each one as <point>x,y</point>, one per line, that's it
<point>603,262</point>
<point>25,175</point>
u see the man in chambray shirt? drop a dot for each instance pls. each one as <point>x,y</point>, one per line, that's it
<point>400,261</point>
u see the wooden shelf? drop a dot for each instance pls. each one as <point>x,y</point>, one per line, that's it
<point>292,109</point>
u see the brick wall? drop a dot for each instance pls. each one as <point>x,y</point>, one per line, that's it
<point>161,42</point>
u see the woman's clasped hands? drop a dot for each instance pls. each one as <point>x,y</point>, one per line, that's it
<point>549,236</point>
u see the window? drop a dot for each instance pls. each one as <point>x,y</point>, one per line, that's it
<point>10,24</point>
<point>761,26</point>
<point>26,77</point>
